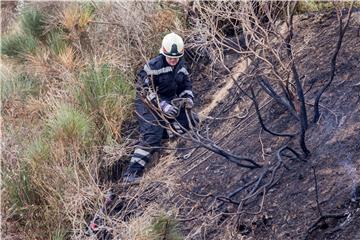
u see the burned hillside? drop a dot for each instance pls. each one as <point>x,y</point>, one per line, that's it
<point>276,153</point>
<point>294,195</point>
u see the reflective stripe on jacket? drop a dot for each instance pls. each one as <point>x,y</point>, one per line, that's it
<point>170,82</point>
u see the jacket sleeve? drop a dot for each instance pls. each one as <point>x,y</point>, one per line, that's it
<point>142,79</point>
<point>185,90</point>
<point>144,86</point>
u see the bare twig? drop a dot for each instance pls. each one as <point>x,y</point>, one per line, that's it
<point>261,120</point>
<point>342,30</point>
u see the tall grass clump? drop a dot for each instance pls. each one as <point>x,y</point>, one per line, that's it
<point>59,234</point>
<point>86,14</point>
<point>52,166</point>
<point>20,190</point>
<point>57,42</point>
<point>63,145</point>
<point>32,22</point>
<point>77,15</point>
<point>70,127</point>
<point>19,87</point>
<point>18,44</point>
<point>26,40</point>
<point>20,196</point>
<point>107,95</point>
<point>38,152</point>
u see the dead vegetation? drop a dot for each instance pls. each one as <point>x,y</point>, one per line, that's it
<point>67,120</point>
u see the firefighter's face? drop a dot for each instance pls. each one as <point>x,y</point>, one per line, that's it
<point>172,61</point>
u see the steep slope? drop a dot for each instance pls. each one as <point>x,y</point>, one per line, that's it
<point>289,210</point>
<point>190,192</point>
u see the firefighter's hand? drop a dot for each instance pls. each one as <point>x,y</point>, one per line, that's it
<point>169,109</point>
<point>189,103</point>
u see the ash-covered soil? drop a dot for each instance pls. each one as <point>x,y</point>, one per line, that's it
<point>289,209</point>
<point>294,207</point>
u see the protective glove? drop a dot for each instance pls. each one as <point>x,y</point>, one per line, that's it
<point>150,95</point>
<point>169,109</point>
<point>189,103</point>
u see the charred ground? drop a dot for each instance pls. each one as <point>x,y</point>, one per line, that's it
<point>290,209</point>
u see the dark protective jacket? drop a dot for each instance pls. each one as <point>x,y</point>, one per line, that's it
<point>169,82</point>
<point>158,78</point>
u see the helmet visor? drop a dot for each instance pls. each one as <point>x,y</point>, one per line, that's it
<point>171,54</point>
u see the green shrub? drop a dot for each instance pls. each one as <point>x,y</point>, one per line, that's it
<point>70,126</point>
<point>21,87</point>
<point>164,227</point>
<point>18,44</point>
<point>32,22</point>
<point>25,41</point>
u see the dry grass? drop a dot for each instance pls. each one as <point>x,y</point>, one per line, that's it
<point>82,100</point>
<point>134,37</point>
<point>39,64</point>
<point>138,219</point>
<point>148,226</point>
<point>7,17</point>
<point>67,58</point>
<point>76,15</point>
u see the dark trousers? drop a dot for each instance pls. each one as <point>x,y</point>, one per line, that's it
<point>152,132</point>
<point>151,125</point>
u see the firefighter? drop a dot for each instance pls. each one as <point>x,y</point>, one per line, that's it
<point>161,80</point>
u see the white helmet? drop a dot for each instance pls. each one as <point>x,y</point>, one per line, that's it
<point>172,46</point>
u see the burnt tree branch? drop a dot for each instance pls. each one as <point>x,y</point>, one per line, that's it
<point>299,88</point>
<point>272,93</point>
<point>253,98</point>
<point>342,30</point>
